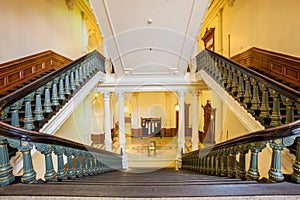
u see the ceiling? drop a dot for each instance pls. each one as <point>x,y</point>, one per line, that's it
<point>149,37</point>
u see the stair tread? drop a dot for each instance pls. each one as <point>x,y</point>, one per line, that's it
<point>165,183</point>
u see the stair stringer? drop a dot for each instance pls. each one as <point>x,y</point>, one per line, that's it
<point>239,111</point>
<point>62,115</point>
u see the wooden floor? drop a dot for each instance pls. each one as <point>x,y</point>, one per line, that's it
<point>159,183</point>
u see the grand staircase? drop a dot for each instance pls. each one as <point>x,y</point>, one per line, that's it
<point>269,104</point>
<point>164,184</point>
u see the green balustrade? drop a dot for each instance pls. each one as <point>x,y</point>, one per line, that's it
<point>6,175</point>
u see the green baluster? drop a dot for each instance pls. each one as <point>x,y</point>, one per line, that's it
<point>89,164</point>
<point>241,90</point>
<point>98,167</point>
<point>232,166</point>
<point>83,164</point>
<point>229,78</point>
<point>204,169</point>
<point>6,175</point>
<point>289,109</point>
<point>234,82</point>
<point>275,174</point>
<point>264,104</point>
<point>255,102</point>
<point>225,75</point>
<point>248,95</point>
<point>241,172</point>
<point>219,163</point>
<point>67,83</point>
<point>275,117</point>
<point>46,150</point>
<point>77,81</point>
<point>54,98</point>
<point>80,73</point>
<point>70,171</point>
<point>224,171</point>
<point>93,165</point>
<point>72,80</point>
<point>78,168</point>
<point>61,92</point>
<point>208,164</point>
<point>28,119</point>
<point>29,175</point>
<point>200,164</point>
<point>255,148</point>
<point>15,121</point>
<point>47,102</point>
<point>61,172</point>
<point>3,113</point>
<point>296,167</point>
<point>38,105</point>
<point>213,163</point>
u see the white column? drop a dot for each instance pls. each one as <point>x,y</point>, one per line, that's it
<point>181,124</point>
<point>195,121</point>
<point>107,122</point>
<point>122,138</point>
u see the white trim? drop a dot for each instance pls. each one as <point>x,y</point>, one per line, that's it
<point>64,113</point>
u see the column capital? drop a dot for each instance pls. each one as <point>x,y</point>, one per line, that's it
<point>195,93</point>
<point>181,93</point>
<point>106,95</point>
<point>120,94</point>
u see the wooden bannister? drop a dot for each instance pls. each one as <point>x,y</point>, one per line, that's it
<point>20,71</point>
<point>252,90</point>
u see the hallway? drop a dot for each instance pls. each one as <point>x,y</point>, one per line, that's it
<point>167,183</point>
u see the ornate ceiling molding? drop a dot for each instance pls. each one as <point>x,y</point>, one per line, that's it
<point>70,4</point>
<point>230,3</point>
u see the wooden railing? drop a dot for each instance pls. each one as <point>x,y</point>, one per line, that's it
<point>252,91</point>
<point>284,67</point>
<point>63,83</point>
<point>20,71</point>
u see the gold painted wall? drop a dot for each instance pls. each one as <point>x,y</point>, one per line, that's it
<point>29,27</point>
<point>268,24</point>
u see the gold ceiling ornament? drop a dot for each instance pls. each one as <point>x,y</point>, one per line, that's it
<point>70,4</point>
<point>230,3</point>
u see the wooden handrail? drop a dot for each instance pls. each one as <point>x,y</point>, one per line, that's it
<point>285,130</point>
<point>34,136</point>
<point>16,95</point>
<point>282,89</point>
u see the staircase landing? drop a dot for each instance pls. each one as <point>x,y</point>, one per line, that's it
<point>164,183</point>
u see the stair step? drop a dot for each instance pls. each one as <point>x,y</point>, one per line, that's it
<point>163,183</point>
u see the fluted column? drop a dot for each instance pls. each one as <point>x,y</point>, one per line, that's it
<point>195,121</point>
<point>181,123</point>
<point>107,121</point>
<point>122,138</point>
